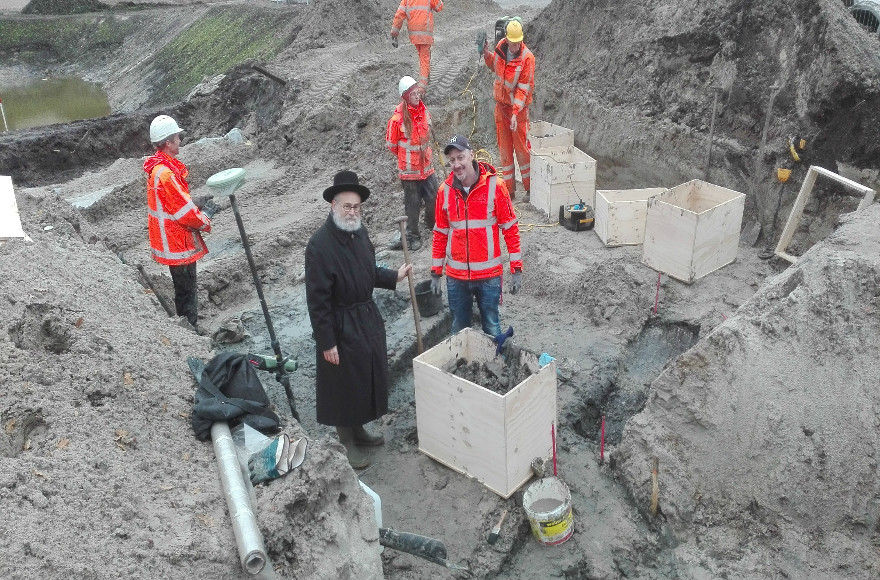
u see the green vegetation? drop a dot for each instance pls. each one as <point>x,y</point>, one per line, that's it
<point>62,38</point>
<point>216,42</point>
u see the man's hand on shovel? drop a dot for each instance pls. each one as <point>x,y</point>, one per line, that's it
<point>403,271</point>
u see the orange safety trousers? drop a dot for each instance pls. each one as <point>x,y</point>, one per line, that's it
<point>510,141</point>
<point>424,64</point>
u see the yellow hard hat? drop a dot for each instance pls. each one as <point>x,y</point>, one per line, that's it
<point>514,31</point>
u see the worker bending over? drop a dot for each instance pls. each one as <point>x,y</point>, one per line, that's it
<point>174,220</point>
<point>472,205</point>
<point>419,17</point>
<point>514,66</point>
<point>408,138</point>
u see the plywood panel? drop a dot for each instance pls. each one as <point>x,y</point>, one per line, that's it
<point>530,411</point>
<point>621,214</point>
<point>717,238</point>
<point>669,239</point>
<point>543,135</point>
<point>10,221</point>
<point>562,176</point>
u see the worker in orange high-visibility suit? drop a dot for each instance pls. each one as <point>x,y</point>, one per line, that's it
<point>408,138</point>
<point>473,209</point>
<point>173,219</point>
<point>420,23</point>
<point>514,66</point>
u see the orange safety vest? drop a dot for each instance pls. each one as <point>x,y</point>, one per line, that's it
<point>514,79</point>
<point>419,19</point>
<point>413,151</point>
<point>173,220</point>
<point>466,238</point>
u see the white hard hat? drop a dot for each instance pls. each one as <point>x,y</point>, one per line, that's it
<point>405,84</point>
<point>163,127</point>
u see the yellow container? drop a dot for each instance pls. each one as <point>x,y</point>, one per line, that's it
<point>548,506</point>
<point>783,174</point>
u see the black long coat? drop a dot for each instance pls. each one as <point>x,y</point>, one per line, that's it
<point>341,273</point>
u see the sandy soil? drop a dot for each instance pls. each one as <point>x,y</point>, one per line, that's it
<point>757,373</point>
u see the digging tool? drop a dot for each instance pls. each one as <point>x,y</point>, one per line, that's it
<point>401,221</point>
<point>655,486</point>
<point>422,546</point>
<point>152,288</point>
<point>768,252</point>
<point>711,134</point>
<point>225,183</point>
<point>496,531</point>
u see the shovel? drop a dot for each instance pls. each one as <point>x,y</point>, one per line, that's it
<point>422,546</point>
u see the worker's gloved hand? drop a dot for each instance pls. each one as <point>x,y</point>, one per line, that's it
<point>501,339</point>
<point>394,42</point>
<point>515,282</point>
<point>201,200</point>
<point>210,208</point>
<point>435,285</point>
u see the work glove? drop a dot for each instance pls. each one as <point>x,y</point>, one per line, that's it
<point>481,41</point>
<point>435,285</point>
<point>515,282</point>
<point>201,200</point>
<point>210,208</point>
<point>394,42</point>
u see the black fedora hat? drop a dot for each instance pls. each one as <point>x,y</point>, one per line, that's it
<point>346,181</point>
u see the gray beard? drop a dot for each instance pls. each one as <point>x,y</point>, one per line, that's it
<point>345,226</point>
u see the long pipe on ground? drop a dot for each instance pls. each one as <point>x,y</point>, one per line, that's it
<point>244,523</point>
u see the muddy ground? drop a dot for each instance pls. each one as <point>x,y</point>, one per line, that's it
<point>754,386</point>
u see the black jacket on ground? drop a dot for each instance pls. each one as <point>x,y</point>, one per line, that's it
<point>341,273</point>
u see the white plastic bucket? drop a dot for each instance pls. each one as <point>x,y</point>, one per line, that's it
<point>548,506</point>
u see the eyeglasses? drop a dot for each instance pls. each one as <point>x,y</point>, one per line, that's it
<point>351,207</point>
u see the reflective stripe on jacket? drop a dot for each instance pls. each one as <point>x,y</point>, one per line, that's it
<point>514,79</point>
<point>413,152</point>
<point>466,229</point>
<point>419,19</point>
<point>173,220</point>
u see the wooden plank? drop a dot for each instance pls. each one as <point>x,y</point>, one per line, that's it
<point>530,409</point>
<point>603,215</point>
<point>543,134</point>
<point>10,220</point>
<point>797,210</point>
<point>669,238</point>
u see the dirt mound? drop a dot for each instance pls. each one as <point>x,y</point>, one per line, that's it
<point>63,7</point>
<point>765,430</point>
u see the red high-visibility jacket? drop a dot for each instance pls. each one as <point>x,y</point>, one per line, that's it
<point>466,229</point>
<point>413,151</point>
<point>514,79</point>
<point>173,220</point>
<point>419,19</point>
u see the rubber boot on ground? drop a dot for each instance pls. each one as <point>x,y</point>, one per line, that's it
<point>355,458</point>
<point>365,438</point>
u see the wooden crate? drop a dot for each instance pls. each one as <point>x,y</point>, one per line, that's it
<point>562,176</point>
<point>542,135</point>
<point>490,437</point>
<point>692,229</point>
<point>620,214</point>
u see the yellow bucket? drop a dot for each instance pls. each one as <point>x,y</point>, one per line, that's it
<point>548,506</point>
<point>783,174</point>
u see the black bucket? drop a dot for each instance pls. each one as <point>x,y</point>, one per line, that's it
<point>429,303</point>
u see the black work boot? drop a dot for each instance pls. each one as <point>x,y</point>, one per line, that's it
<point>355,458</point>
<point>364,437</point>
<point>413,243</point>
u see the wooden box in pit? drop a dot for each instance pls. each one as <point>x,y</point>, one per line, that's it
<point>562,176</point>
<point>692,229</point>
<point>543,134</point>
<point>490,437</point>
<point>620,215</point>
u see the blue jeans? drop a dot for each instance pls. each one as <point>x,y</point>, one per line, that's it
<point>460,294</point>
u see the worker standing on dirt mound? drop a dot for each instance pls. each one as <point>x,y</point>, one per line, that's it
<point>351,354</point>
<point>514,66</point>
<point>408,138</point>
<point>472,205</point>
<point>419,17</point>
<point>174,221</point>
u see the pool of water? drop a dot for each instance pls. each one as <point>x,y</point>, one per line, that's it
<point>50,101</point>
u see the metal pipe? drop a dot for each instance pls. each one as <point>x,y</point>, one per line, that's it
<point>248,539</point>
<point>280,374</point>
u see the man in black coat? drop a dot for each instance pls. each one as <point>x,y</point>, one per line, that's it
<point>352,359</point>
